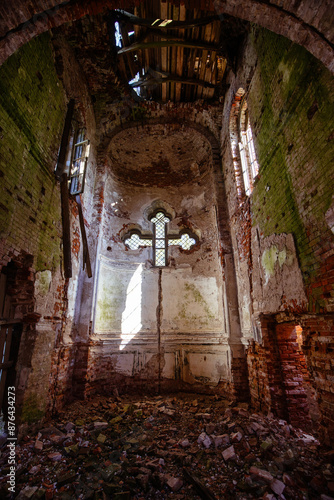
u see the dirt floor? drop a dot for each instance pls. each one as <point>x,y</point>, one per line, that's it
<point>181,446</point>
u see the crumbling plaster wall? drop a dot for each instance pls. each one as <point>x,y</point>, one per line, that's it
<point>281,235</point>
<point>182,337</point>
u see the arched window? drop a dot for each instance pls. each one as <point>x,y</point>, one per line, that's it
<point>249,164</point>
<point>243,152</point>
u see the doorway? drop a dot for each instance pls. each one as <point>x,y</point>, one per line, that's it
<point>10,336</point>
<point>301,404</point>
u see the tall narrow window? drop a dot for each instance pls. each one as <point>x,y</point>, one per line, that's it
<point>79,163</point>
<point>249,163</point>
<point>243,151</point>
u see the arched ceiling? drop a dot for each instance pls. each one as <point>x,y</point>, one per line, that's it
<point>305,22</point>
<point>160,155</point>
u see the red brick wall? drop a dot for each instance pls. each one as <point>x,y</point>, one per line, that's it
<point>294,374</point>
<point>318,349</point>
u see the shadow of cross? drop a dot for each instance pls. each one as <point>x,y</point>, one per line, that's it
<point>160,239</point>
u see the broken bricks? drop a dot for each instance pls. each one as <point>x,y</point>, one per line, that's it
<point>137,449</point>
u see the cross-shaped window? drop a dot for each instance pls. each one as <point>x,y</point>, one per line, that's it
<point>160,239</point>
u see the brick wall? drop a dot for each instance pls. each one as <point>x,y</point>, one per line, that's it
<point>291,101</point>
<point>31,127</point>
<point>32,109</point>
<point>294,374</point>
<point>290,96</point>
<point>278,375</point>
<point>318,349</point>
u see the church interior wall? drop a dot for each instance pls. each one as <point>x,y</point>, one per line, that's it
<point>282,240</point>
<point>290,101</point>
<point>154,326</point>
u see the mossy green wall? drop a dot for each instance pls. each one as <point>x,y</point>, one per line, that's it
<point>291,101</point>
<point>32,111</point>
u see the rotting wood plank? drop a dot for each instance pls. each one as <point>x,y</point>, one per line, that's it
<point>163,13</point>
<point>86,259</point>
<point>64,140</point>
<point>175,17</point>
<point>65,215</point>
<point>65,210</point>
<point>156,13</point>
<point>180,56</point>
<point>195,34</point>
<point>206,33</point>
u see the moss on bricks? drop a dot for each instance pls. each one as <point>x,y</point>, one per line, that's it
<point>291,101</point>
<point>32,112</point>
<point>30,411</point>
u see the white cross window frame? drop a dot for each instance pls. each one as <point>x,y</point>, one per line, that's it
<point>160,240</point>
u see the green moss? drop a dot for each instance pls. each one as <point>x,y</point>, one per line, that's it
<point>269,258</point>
<point>32,111</point>
<point>30,411</point>
<point>108,306</point>
<point>193,294</point>
<point>292,113</point>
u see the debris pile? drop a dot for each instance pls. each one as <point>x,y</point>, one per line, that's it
<point>180,447</point>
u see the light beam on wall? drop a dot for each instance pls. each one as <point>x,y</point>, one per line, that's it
<point>131,316</point>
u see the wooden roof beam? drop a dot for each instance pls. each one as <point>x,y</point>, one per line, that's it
<point>167,43</point>
<point>163,24</point>
<point>148,81</point>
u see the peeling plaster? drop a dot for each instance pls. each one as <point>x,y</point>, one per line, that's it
<point>277,279</point>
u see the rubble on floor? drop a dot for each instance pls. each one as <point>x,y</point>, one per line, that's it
<point>180,447</point>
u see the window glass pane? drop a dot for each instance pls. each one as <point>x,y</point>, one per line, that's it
<point>160,230</point>
<point>133,242</point>
<point>160,259</point>
<point>160,243</point>
<point>244,166</point>
<point>187,242</point>
<point>146,243</point>
<point>78,152</point>
<point>252,156</point>
<point>76,184</point>
<point>174,242</point>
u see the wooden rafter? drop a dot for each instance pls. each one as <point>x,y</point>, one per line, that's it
<point>148,80</point>
<point>163,24</point>
<point>167,43</point>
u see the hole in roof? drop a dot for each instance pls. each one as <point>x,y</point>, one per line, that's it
<point>118,36</point>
